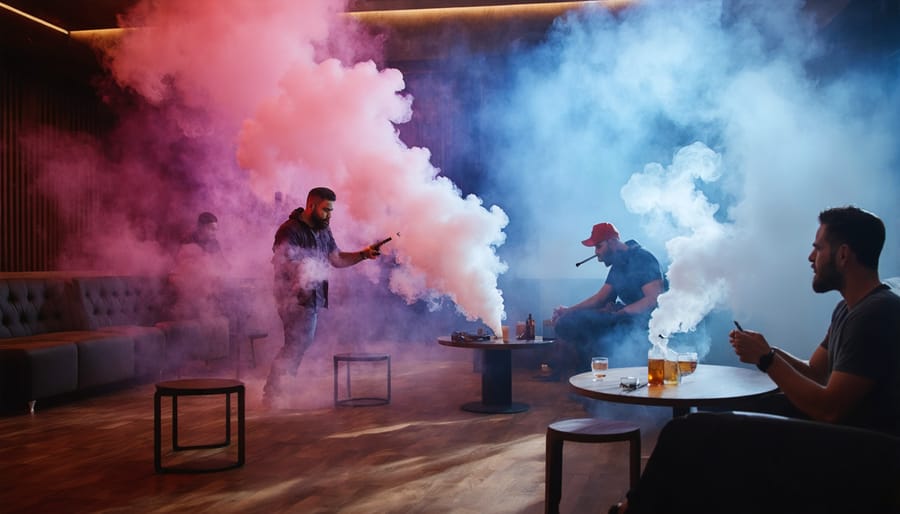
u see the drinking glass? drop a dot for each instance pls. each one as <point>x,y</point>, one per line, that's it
<point>687,363</point>
<point>599,365</point>
<point>656,359</point>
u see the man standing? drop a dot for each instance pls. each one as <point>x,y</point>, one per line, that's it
<point>621,306</point>
<point>752,463</point>
<point>304,250</point>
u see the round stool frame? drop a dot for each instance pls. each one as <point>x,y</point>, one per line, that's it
<point>370,401</point>
<point>198,387</point>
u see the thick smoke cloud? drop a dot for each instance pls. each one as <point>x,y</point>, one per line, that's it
<point>714,133</point>
<point>240,107</point>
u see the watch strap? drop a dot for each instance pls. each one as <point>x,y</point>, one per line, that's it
<point>766,360</point>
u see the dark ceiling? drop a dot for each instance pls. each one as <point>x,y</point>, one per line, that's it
<point>862,23</point>
<point>97,14</point>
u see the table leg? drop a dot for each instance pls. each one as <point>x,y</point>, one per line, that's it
<point>682,411</point>
<point>496,385</point>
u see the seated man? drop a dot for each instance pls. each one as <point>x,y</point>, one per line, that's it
<point>620,308</point>
<point>199,271</point>
<point>757,464</point>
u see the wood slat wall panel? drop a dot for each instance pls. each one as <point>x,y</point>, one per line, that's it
<point>43,107</point>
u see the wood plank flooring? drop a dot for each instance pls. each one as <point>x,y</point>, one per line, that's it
<point>420,454</point>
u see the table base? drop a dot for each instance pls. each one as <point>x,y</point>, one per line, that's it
<point>484,408</point>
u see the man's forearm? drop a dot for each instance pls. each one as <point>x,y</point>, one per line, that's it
<point>345,259</point>
<point>801,366</point>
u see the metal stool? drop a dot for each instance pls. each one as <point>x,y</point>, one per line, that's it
<point>197,387</point>
<point>254,336</point>
<point>350,400</point>
<point>585,430</point>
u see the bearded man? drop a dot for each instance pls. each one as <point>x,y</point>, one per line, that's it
<point>304,250</point>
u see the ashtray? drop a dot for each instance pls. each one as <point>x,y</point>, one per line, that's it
<point>629,382</point>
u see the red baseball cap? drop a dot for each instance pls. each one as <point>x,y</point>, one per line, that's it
<point>600,233</point>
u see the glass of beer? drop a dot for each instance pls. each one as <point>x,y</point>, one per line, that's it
<point>599,365</point>
<point>687,363</point>
<point>656,360</point>
<point>671,372</point>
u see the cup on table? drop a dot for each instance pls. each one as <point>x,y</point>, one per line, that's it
<point>505,330</point>
<point>687,363</point>
<point>549,331</point>
<point>656,365</point>
<point>599,365</point>
<point>671,372</point>
<point>520,329</point>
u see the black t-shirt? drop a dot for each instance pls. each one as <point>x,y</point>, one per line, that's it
<point>633,269</point>
<point>865,341</point>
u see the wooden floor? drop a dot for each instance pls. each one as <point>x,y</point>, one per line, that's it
<point>420,454</point>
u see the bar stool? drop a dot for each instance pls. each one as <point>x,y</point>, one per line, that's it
<point>255,336</point>
<point>197,387</point>
<point>585,430</point>
<point>350,400</point>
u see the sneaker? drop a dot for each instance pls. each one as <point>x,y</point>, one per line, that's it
<point>271,402</point>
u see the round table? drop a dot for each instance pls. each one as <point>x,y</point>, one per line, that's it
<point>710,385</point>
<point>496,374</point>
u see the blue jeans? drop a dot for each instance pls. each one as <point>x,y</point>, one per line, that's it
<point>299,332</point>
<point>620,337</point>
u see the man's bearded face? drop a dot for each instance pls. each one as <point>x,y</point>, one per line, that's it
<point>826,276</point>
<point>321,214</point>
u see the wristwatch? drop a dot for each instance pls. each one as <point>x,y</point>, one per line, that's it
<point>766,360</point>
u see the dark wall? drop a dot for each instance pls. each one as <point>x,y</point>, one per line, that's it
<point>45,88</point>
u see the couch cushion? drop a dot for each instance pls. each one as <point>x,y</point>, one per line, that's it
<point>117,301</point>
<point>106,358</point>
<point>33,306</point>
<point>36,369</point>
<point>149,348</point>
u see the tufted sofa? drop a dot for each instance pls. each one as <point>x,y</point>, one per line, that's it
<point>64,334</point>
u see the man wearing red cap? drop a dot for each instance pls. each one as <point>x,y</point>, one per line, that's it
<point>620,308</point>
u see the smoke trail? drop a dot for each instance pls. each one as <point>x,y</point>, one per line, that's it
<point>669,196</point>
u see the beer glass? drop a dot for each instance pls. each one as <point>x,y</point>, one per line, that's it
<point>599,365</point>
<point>687,363</point>
<point>671,372</point>
<point>656,359</point>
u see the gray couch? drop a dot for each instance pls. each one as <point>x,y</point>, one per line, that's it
<point>62,334</point>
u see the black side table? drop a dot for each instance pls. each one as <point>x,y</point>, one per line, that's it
<point>197,387</point>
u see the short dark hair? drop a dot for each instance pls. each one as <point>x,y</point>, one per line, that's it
<point>205,218</point>
<point>321,192</point>
<point>860,230</point>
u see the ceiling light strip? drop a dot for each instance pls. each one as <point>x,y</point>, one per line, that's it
<point>34,18</point>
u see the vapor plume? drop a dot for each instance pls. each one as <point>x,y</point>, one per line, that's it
<point>245,105</point>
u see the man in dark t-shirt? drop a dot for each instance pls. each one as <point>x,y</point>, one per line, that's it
<point>853,376</point>
<point>757,463</point>
<point>620,308</point>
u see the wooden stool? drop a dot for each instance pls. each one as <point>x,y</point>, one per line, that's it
<point>585,430</point>
<point>351,401</point>
<point>197,387</point>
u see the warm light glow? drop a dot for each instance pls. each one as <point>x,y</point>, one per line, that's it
<point>34,18</point>
<point>525,10</point>
<point>98,35</point>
